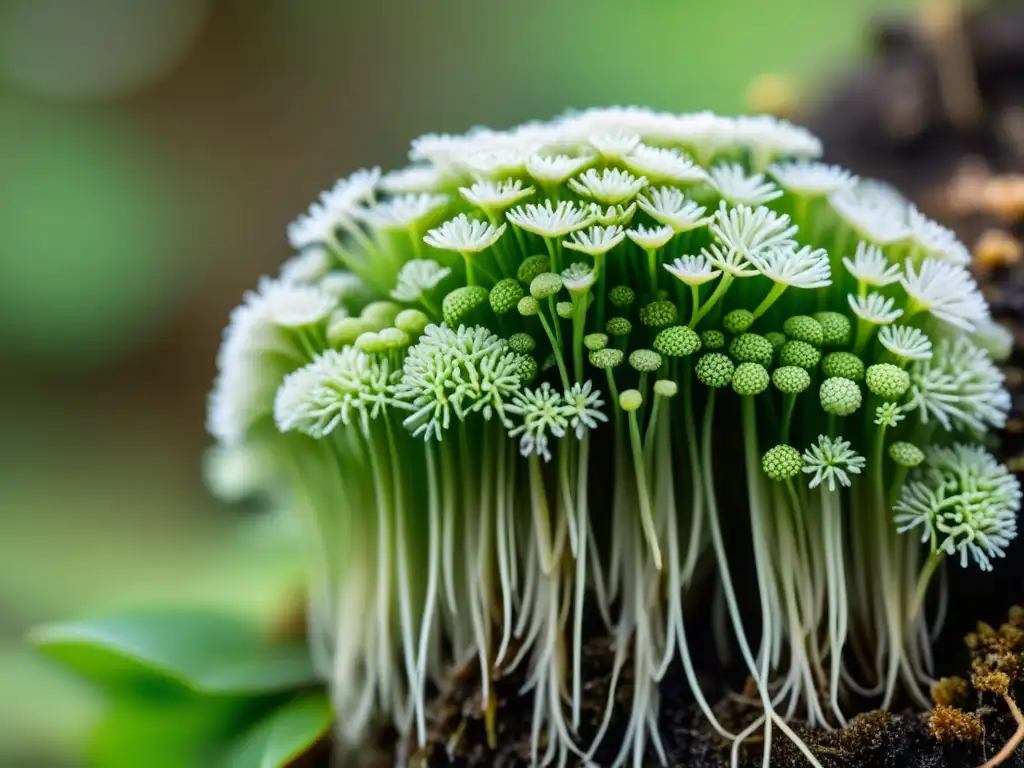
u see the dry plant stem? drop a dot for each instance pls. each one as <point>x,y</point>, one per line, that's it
<point>1011,746</point>
<point>958,86</point>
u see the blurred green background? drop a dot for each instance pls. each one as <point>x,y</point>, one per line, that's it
<point>151,154</point>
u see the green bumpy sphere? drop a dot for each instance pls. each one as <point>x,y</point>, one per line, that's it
<point>738,320</point>
<point>607,358</point>
<point>791,379</point>
<point>715,370</point>
<point>630,400</point>
<point>528,306</point>
<point>618,326</point>
<point>906,454</point>
<point>505,295</point>
<point>750,379</point>
<point>346,330</point>
<point>776,339</point>
<point>839,396</point>
<point>712,339</point>
<point>564,309</point>
<point>532,267</point>
<point>752,348</point>
<point>523,343</point>
<point>677,341</point>
<point>804,328</point>
<point>371,343</point>
<point>844,365</point>
<point>887,380</point>
<point>658,314</point>
<point>645,360</point>
<point>782,462</point>
<point>461,302</point>
<point>545,285</point>
<point>394,338</point>
<point>666,388</point>
<point>595,341</point>
<point>526,368</point>
<point>836,328</point>
<point>799,353</point>
<point>621,296</point>
<point>412,321</point>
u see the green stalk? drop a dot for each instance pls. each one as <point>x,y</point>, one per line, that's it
<point>773,295</point>
<point>719,292</point>
<point>646,516</point>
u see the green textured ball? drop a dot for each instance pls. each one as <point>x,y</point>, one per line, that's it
<point>645,360</point>
<point>380,314</point>
<point>782,462</point>
<point>712,339</point>
<point>776,339</point>
<point>545,285</point>
<point>791,379</point>
<point>750,379</point>
<point>523,343</point>
<point>836,328</point>
<point>752,348</point>
<point>461,302</point>
<point>371,343</point>
<point>505,295</point>
<point>804,328</point>
<point>346,330</point>
<point>595,341</point>
<point>844,365</point>
<point>621,296</point>
<point>564,309</point>
<point>715,370</point>
<point>526,368</point>
<point>607,358</point>
<point>677,341</point>
<point>618,326</point>
<point>394,338</point>
<point>738,320</point>
<point>658,314</point>
<point>839,396</point>
<point>666,388</point>
<point>531,267</point>
<point>799,353</point>
<point>630,400</point>
<point>528,306</point>
<point>412,321</point>
<point>906,454</point>
<point>887,380</point>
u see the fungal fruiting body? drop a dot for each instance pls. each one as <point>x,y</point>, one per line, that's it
<point>509,390</point>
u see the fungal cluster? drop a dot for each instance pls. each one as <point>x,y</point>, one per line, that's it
<point>565,375</point>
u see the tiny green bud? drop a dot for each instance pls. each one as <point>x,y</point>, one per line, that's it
<point>661,295</point>
<point>845,365</point>
<point>346,330</point>
<point>595,341</point>
<point>750,379</point>
<point>394,338</point>
<point>839,396</point>
<point>526,368</point>
<point>791,379</point>
<point>621,296</point>
<point>505,295</point>
<point>380,314</point>
<point>618,326</point>
<point>607,358</point>
<point>370,342</point>
<point>782,462</point>
<point>836,328</point>
<point>715,370</point>
<point>531,267</point>
<point>564,309</point>
<point>528,306</point>
<point>887,380</point>
<point>906,454</point>
<point>630,400</point>
<point>460,302</point>
<point>658,314</point>
<point>776,339</point>
<point>665,388</point>
<point>545,284</point>
<point>523,343</point>
<point>799,353</point>
<point>549,362</point>
<point>412,321</point>
<point>752,348</point>
<point>712,339</point>
<point>738,320</point>
<point>804,328</point>
<point>677,341</point>
<point>645,360</point>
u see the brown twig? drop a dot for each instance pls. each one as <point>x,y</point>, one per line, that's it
<point>1011,746</point>
<point>942,21</point>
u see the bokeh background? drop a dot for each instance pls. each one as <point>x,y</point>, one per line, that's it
<point>151,154</point>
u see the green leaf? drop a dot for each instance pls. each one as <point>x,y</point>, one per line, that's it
<point>284,735</point>
<point>203,651</point>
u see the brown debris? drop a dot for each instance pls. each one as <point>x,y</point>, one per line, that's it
<point>997,248</point>
<point>950,691</point>
<point>950,724</point>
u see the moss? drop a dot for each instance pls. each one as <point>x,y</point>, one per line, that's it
<point>950,724</point>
